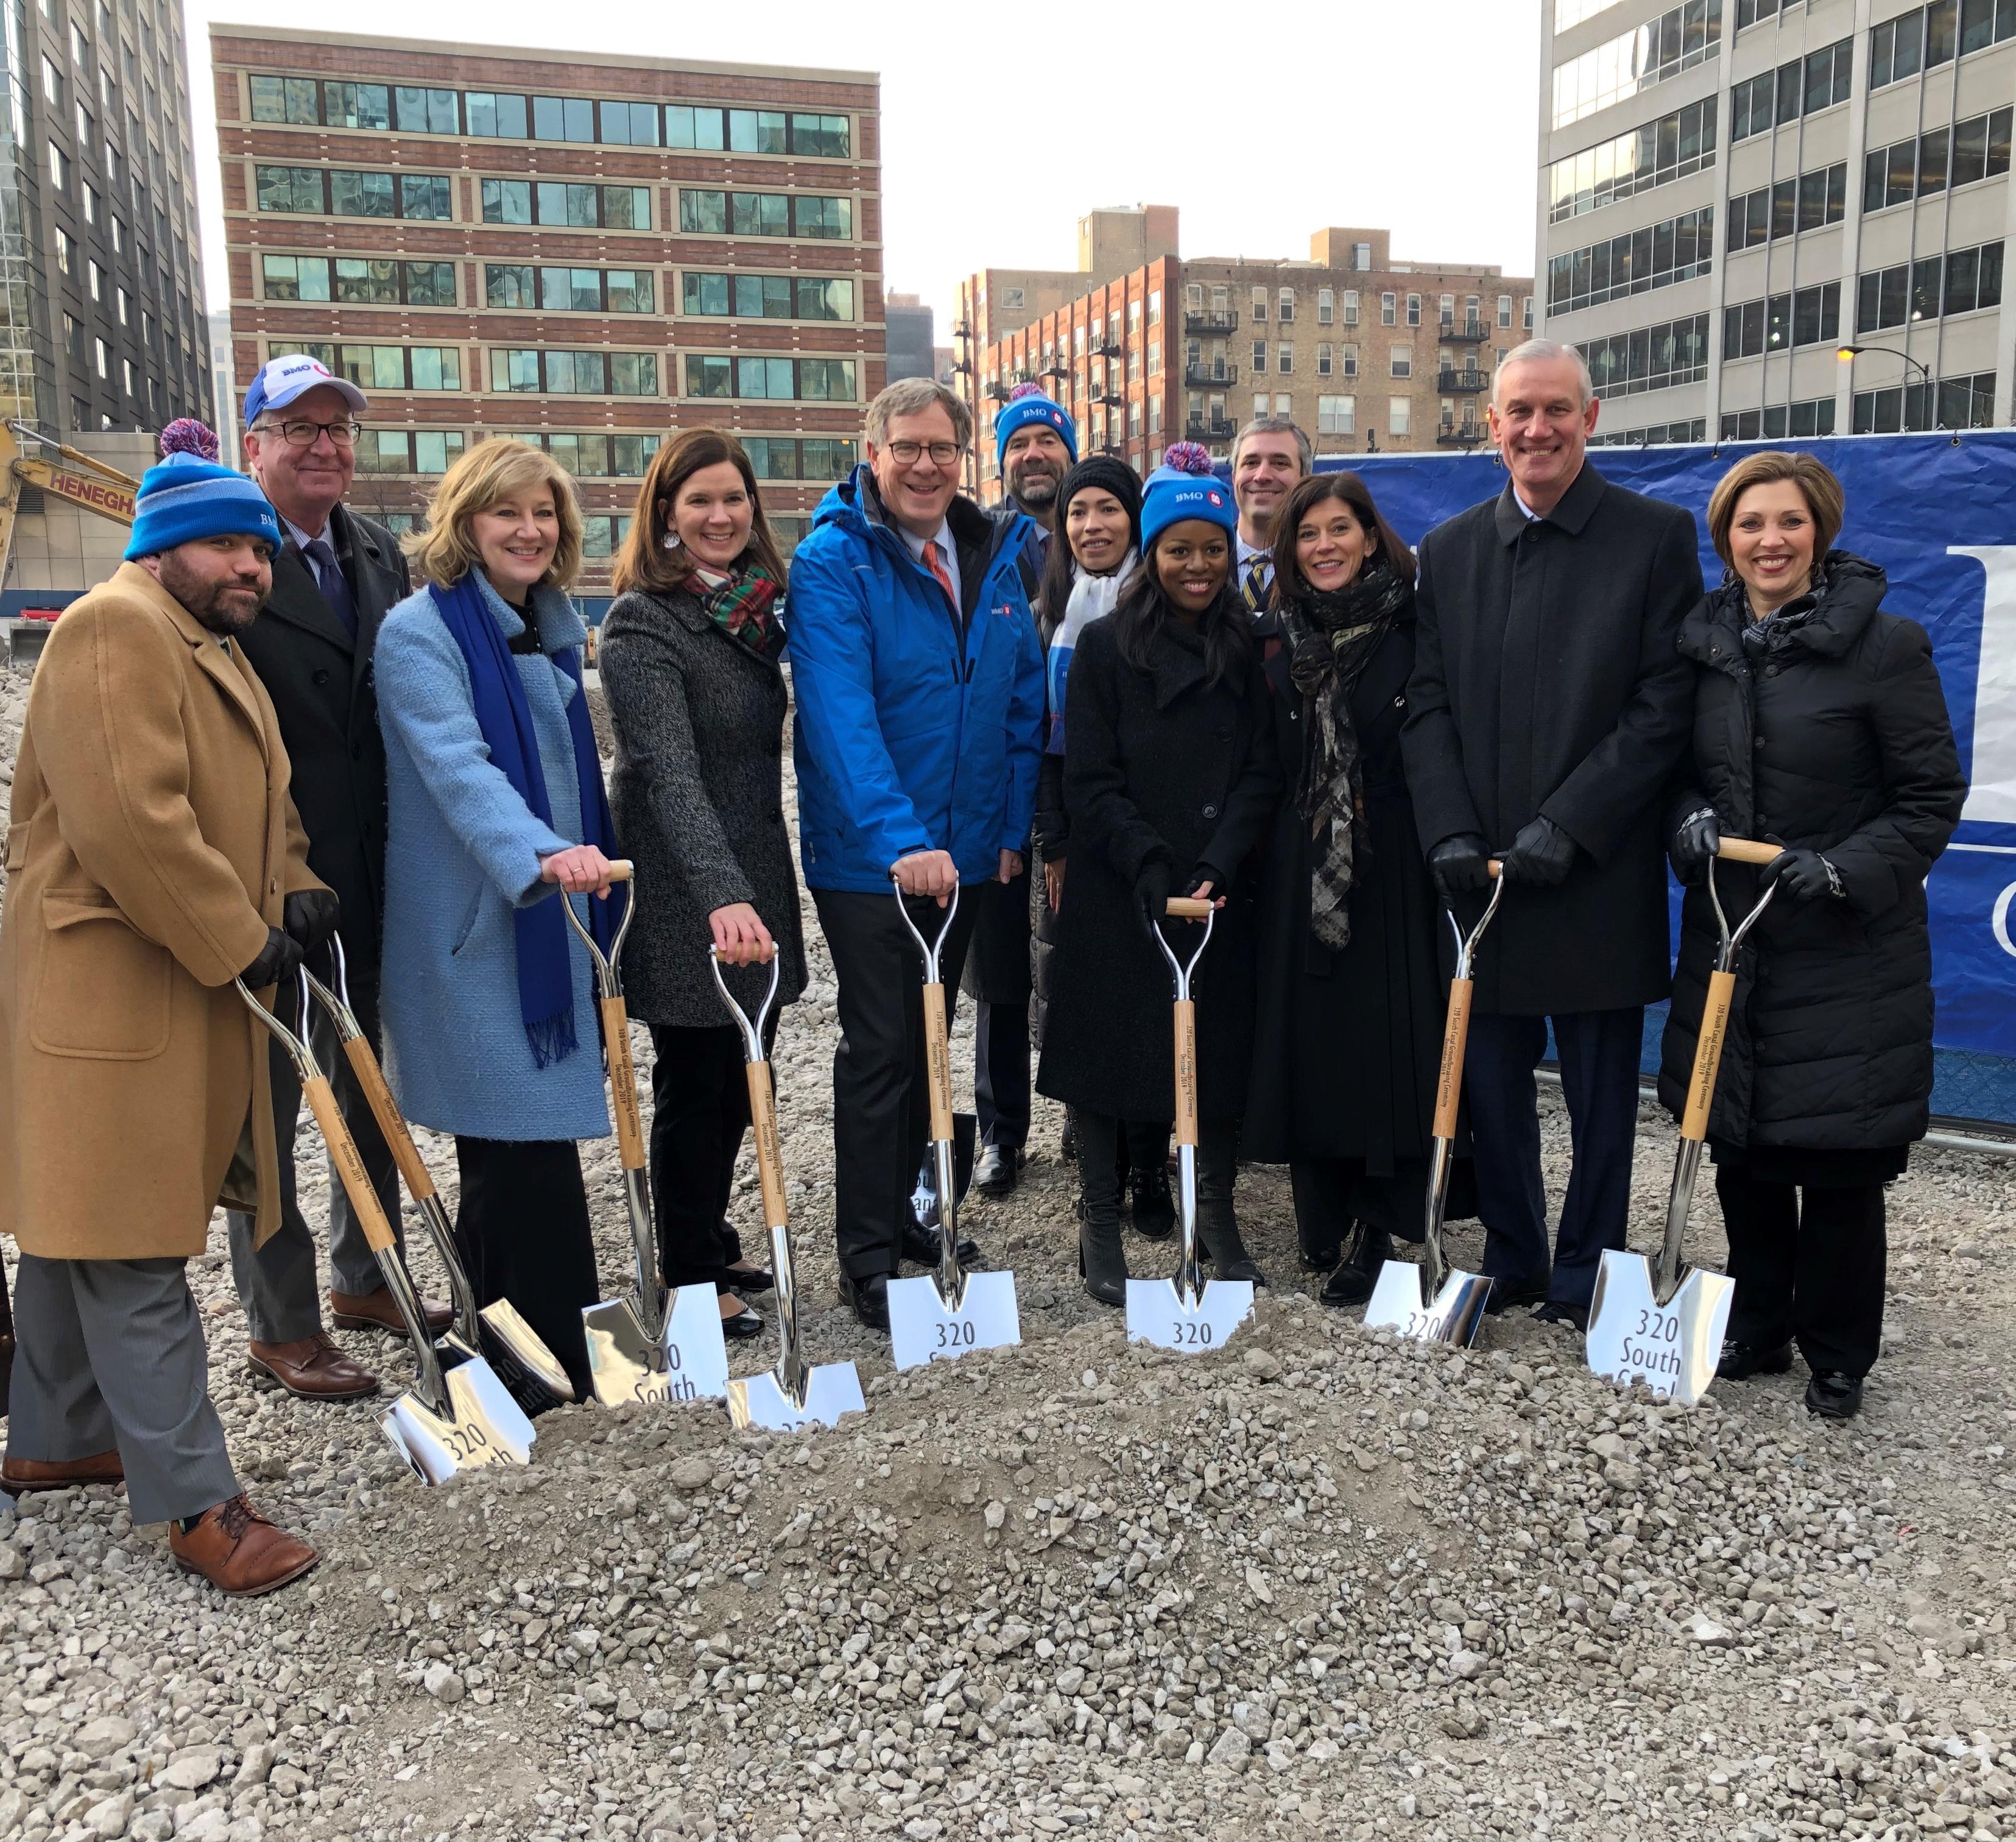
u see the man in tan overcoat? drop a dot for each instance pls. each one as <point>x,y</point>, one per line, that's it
<point>151,850</point>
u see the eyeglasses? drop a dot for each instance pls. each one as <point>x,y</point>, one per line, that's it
<point>302,434</point>
<point>907,453</point>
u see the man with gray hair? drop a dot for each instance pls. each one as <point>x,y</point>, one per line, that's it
<point>1268,456</point>
<point>918,679</point>
<point>1548,706</point>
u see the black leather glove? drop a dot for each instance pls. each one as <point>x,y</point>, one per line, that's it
<point>1459,866</point>
<point>1804,876</point>
<point>311,916</point>
<point>1206,873</point>
<point>1151,892</point>
<point>278,961</point>
<point>1541,856</point>
<point>1694,843</point>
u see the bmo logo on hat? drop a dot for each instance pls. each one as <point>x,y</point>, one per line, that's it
<point>284,380</point>
<point>1215,496</point>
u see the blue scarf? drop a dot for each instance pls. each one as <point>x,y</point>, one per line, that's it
<point>546,972</point>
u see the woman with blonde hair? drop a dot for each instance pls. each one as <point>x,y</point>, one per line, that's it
<point>689,662</point>
<point>1819,726</point>
<point>496,806</point>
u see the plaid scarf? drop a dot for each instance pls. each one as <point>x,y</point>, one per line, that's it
<point>1330,638</point>
<point>739,603</point>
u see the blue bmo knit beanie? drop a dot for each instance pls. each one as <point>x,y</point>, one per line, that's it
<point>1027,404</point>
<point>184,498</point>
<point>1185,487</point>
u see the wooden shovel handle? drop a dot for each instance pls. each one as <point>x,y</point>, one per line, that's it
<point>1744,850</point>
<point>1708,1053</point>
<point>392,1122</point>
<point>1456,1039</point>
<point>938,1061</point>
<point>620,870</point>
<point>349,1166</point>
<point>623,1084</point>
<point>1187,1079</point>
<point>1188,907</point>
<point>770,1157</point>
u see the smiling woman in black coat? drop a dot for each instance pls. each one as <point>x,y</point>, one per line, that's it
<point>1819,724</point>
<point>1168,782</point>
<point>1347,1042</point>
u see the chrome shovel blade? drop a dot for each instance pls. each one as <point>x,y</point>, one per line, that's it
<point>923,1328</point>
<point>924,1194</point>
<point>487,1429</point>
<point>688,1362</point>
<point>482,1399</point>
<point>1674,1348</point>
<point>530,1371</point>
<point>1157,1313</point>
<point>1396,1305</point>
<point>831,1389</point>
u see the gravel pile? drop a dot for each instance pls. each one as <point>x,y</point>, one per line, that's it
<point>1316,1584</point>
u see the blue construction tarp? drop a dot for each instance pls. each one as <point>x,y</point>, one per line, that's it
<point>1938,512</point>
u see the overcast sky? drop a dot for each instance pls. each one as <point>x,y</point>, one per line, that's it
<point>998,128</point>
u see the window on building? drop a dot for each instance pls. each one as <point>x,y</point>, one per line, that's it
<point>1624,67</point>
<point>125,308</point>
<point>1803,87</point>
<point>1285,306</point>
<point>1414,310</point>
<point>1325,306</point>
<point>52,83</point>
<point>1961,281</point>
<point>765,214</point>
<point>1656,154</point>
<point>1259,303</point>
<point>1446,313</point>
<point>574,373</point>
<point>563,118</point>
<point>1930,36</point>
<point>1399,415</point>
<point>66,251</point>
<point>1807,316</point>
<point>1337,415</point>
<point>1326,357</point>
<point>294,278</point>
<point>1649,357</point>
<point>758,130</point>
<point>1526,313</point>
<point>58,169</point>
<point>1657,256</point>
<point>1155,307</point>
<point>496,117</point>
<point>1389,310</point>
<point>1285,360</point>
<point>815,380</point>
<point>1942,160</point>
<point>354,104</point>
<point>631,125</point>
<point>1401,361</point>
<point>101,358</point>
<point>1953,402</point>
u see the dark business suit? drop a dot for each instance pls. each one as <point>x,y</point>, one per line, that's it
<point>319,677</point>
<point>1548,683</point>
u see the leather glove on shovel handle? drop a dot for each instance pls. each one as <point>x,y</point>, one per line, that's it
<point>1652,1327</point>
<point>439,1429</point>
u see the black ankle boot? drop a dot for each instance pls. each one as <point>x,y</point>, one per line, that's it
<point>1102,1262</point>
<point>1357,1273</point>
<point>1219,1241</point>
<point>1151,1203</point>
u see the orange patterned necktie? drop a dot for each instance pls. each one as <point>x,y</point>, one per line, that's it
<point>934,561</point>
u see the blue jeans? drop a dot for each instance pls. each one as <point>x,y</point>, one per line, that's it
<point>1598,1058</point>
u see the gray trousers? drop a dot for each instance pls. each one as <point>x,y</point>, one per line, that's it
<point>276,1283</point>
<point>111,1353</point>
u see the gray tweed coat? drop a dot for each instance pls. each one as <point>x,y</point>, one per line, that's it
<point>698,796</point>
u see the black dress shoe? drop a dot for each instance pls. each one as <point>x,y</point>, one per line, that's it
<point>869,1297</point>
<point>1508,1293</point>
<point>1833,1395</point>
<point>1000,1166</point>
<point>1357,1271</point>
<point>1740,1361</point>
<point>1151,1204</point>
<point>745,1323</point>
<point>1560,1311</point>
<point>748,1279</point>
<point>920,1246</point>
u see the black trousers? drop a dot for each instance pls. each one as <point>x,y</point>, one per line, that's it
<point>881,1107</point>
<point>1808,1266</point>
<point>700,1110</point>
<point>1331,1193</point>
<point>1599,1052</point>
<point>1001,1073</point>
<point>1101,1138</point>
<point>523,1232</point>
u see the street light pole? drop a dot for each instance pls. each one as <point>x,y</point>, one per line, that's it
<point>1847,355</point>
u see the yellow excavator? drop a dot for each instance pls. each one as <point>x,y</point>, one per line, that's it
<point>72,476</point>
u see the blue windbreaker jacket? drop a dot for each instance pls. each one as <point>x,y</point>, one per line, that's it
<point>910,736</point>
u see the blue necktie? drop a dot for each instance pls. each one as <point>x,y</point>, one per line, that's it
<point>328,578</point>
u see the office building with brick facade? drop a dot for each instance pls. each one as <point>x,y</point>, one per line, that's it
<point>1146,346</point>
<point>581,251</point>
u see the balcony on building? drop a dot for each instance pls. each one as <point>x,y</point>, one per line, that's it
<point>1217,428</point>
<point>1459,434</point>
<point>1109,348</point>
<point>1467,382</point>
<point>1214,371</point>
<point>1473,331</point>
<point>1205,325</point>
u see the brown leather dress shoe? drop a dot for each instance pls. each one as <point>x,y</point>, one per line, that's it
<point>60,1474</point>
<point>239,1552</point>
<point>375,1310</point>
<point>313,1367</point>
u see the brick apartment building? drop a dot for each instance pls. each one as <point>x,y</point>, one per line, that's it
<point>1146,347</point>
<point>580,251</point>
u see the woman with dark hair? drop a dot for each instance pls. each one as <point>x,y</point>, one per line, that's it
<point>1348,1040</point>
<point>689,662</point>
<point>1096,550</point>
<point>1168,782</point>
<point>1819,724</point>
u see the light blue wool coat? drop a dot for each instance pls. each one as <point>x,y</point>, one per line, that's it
<point>462,852</point>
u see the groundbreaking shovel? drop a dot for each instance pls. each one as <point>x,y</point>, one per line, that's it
<point>1187,1313</point>
<point>651,1344</point>
<point>1450,1307</point>
<point>953,1312</point>
<point>457,1418</point>
<point>1664,1330</point>
<point>496,1334</point>
<point>791,1395</point>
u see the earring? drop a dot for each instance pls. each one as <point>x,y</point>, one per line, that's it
<point>669,542</point>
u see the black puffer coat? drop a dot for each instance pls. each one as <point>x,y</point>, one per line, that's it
<point>1156,765</point>
<point>1839,743</point>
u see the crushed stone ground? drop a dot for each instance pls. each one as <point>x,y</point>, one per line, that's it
<point>1316,1585</point>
